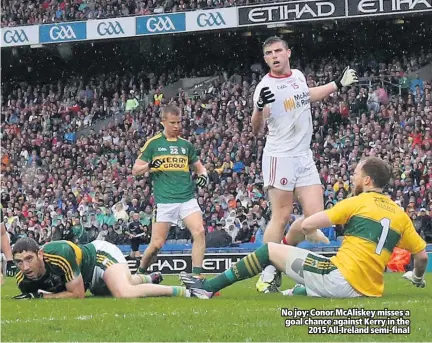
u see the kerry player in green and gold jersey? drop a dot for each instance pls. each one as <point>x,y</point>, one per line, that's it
<point>61,269</point>
<point>169,158</point>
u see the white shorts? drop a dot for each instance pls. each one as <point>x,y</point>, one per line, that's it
<point>170,213</point>
<point>318,274</point>
<point>107,254</point>
<point>289,172</point>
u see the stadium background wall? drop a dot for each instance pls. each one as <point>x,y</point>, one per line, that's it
<point>213,263</point>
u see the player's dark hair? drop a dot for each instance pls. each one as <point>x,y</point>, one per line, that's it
<point>275,39</point>
<point>25,244</point>
<point>173,109</point>
<point>378,170</point>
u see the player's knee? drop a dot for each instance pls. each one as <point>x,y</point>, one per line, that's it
<point>281,219</point>
<point>121,293</point>
<point>156,245</point>
<point>271,246</point>
<point>198,233</point>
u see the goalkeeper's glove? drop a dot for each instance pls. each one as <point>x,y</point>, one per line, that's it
<point>265,97</point>
<point>348,77</point>
<point>417,281</point>
<point>26,296</point>
<point>316,237</point>
<point>202,180</point>
<point>155,163</point>
<point>10,268</point>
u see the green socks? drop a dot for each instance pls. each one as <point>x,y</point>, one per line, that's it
<point>196,270</point>
<point>141,271</point>
<point>247,267</point>
<point>145,278</point>
<point>179,291</point>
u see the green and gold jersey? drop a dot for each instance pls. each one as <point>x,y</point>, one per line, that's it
<point>172,182</point>
<point>64,261</point>
<point>374,225</point>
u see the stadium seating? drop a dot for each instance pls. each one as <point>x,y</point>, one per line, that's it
<point>15,12</point>
<point>76,129</point>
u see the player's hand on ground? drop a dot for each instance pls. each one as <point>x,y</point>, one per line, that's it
<point>266,97</point>
<point>156,163</point>
<point>417,281</point>
<point>10,269</point>
<point>316,237</point>
<point>27,296</point>
<point>202,180</point>
<point>348,77</point>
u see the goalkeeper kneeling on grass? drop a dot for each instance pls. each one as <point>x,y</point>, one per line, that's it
<point>61,269</point>
<point>374,225</point>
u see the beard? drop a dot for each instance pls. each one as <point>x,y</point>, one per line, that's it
<point>358,189</point>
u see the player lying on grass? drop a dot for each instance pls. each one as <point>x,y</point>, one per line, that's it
<point>374,225</point>
<point>61,269</point>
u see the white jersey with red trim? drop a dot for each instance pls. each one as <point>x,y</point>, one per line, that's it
<point>289,122</point>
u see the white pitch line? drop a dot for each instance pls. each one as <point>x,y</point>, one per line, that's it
<point>116,315</point>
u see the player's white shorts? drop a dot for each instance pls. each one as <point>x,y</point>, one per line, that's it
<point>170,213</point>
<point>318,274</point>
<point>107,254</point>
<point>289,172</point>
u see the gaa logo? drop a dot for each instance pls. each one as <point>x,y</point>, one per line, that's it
<point>15,36</point>
<point>160,24</point>
<point>284,181</point>
<point>109,28</point>
<point>62,32</point>
<point>210,19</point>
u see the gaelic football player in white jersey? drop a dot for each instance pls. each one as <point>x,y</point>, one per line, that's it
<point>282,100</point>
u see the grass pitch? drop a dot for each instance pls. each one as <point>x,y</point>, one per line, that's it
<point>239,314</point>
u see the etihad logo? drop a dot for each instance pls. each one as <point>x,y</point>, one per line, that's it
<point>289,104</point>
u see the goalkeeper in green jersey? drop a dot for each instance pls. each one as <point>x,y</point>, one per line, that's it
<point>61,269</point>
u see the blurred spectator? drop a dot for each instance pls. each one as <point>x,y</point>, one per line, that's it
<point>218,238</point>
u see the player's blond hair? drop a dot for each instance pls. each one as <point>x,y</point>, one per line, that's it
<point>173,109</point>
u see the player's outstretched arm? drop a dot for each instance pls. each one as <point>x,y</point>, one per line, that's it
<point>74,289</point>
<point>316,221</point>
<point>420,263</point>
<point>349,76</point>
<point>311,227</point>
<point>412,242</point>
<point>416,276</point>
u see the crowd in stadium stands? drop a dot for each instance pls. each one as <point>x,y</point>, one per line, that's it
<point>59,184</point>
<point>18,12</point>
